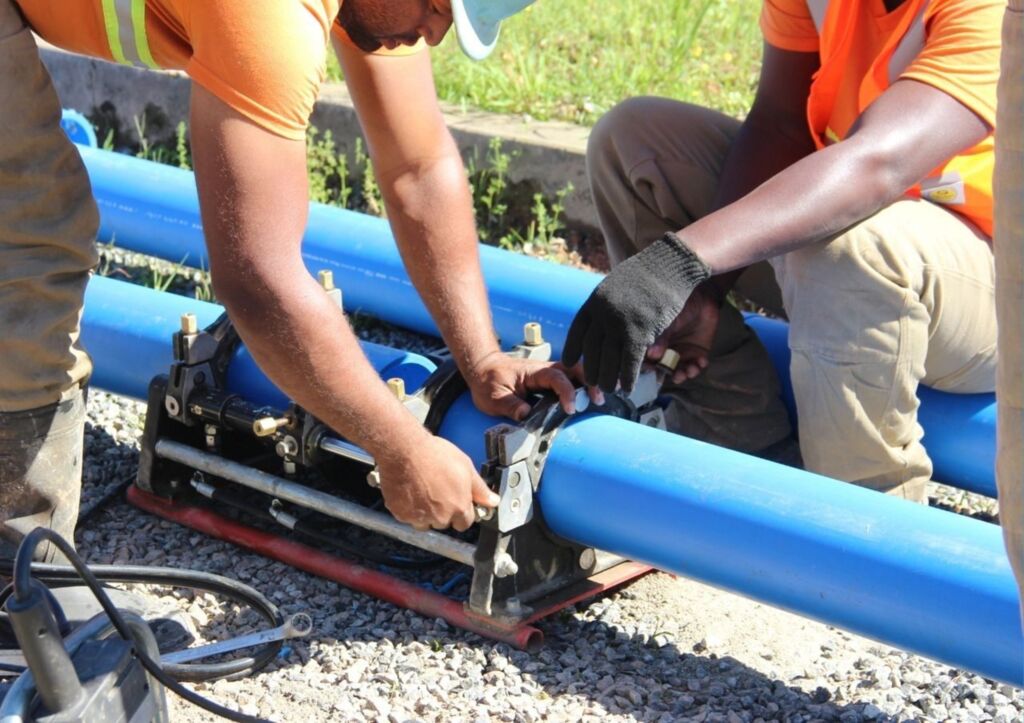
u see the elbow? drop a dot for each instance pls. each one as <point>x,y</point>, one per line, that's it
<point>880,174</point>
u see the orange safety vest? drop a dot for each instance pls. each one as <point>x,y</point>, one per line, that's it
<point>962,184</point>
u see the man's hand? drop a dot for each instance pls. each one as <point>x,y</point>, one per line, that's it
<point>499,384</point>
<point>629,309</point>
<point>429,482</point>
<point>690,335</point>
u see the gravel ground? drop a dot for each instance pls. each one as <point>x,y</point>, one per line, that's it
<point>660,649</point>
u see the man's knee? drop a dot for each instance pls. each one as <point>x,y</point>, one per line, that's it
<point>615,142</point>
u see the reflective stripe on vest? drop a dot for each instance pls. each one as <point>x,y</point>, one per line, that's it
<point>125,23</point>
<point>910,45</point>
<point>818,9</point>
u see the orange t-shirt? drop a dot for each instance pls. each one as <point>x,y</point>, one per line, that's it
<point>266,59</point>
<point>954,46</point>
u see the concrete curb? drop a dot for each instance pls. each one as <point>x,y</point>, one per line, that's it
<point>547,155</point>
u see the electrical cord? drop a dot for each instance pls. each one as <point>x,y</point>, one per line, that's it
<point>206,582</point>
<point>22,585</point>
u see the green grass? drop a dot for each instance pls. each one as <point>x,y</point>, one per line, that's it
<point>574,59</point>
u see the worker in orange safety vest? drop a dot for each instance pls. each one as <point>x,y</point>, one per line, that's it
<point>855,199</point>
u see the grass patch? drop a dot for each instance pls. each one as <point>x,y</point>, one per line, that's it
<point>573,60</point>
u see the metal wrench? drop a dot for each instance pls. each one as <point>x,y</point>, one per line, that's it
<point>297,626</point>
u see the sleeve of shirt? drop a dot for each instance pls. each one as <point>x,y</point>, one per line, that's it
<point>788,25</point>
<point>961,53</point>
<point>266,63</point>
<point>339,32</point>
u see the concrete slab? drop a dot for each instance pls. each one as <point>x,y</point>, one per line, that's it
<point>547,155</point>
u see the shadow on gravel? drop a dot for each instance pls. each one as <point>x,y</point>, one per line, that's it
<point>650,678</point>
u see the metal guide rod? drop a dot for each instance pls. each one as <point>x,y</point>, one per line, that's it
<point>347,450</point>
<point>322,502</point>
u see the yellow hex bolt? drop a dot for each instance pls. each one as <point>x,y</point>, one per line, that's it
<point>397,387</point>
<point>670,360</point>
<point>266,426</point>
<point>326,278</point>
<point>189,324</point>
<point>533,335</point>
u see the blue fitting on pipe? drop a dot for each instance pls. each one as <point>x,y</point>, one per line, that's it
<point>924,579</point>
<point>154,209</point>
<point>127,331</point>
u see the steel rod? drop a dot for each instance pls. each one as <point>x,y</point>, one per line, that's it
<point>341,448</point>
<point>322,502</point>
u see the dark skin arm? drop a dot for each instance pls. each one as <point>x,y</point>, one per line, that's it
<point>423,181</point>
<point>299,338</point>
<point>773,137</point>
<point>812,198</point>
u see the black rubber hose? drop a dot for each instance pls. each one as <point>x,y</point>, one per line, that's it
<point>22,586</point>
<point>204,581</point>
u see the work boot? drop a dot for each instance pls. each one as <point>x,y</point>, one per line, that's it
<point>41,473</point>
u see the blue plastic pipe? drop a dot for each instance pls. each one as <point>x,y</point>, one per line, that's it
<point>154,209</point>
<point>959,429</point>
<point>916,577</point>
<point>919,578</point>
<point>127,330</point>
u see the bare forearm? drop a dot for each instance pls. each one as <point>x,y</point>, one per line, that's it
<point>807,202</point>
<point>431,212</point>
<point>761,149</point>
<point>302,341</point>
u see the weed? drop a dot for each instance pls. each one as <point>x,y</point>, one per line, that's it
<point>545,223</point>
<point>181,147</point>
<point>509,215</point>
<point>372,199</point>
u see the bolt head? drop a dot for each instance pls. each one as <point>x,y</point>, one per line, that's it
<point>533,335</point>
<point>326,278</point>
<point>189,324</point>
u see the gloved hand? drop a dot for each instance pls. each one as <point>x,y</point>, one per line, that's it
<point>629,309</point>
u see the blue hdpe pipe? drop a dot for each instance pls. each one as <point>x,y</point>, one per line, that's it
<point>127,330</point>
<point>923,579</point>
<point>154,209</point>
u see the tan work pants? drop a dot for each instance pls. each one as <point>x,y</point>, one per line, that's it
<point>1009,245</point>
<point>48,223</point>
<point>904,297</point>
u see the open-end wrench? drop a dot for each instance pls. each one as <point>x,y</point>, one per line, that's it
<point>297,626</point>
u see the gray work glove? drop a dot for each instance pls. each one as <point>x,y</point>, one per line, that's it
<point>629,309</point>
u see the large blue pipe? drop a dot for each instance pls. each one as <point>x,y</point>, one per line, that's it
<point>154,209</point>
<point>920,578</point>
<point>127,330</point>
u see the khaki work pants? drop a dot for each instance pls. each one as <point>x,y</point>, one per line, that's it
<point>904,297</point>
<point>48,223</point>
<point>1009,245</point>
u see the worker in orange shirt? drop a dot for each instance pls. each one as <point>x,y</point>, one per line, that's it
<point>256,70</point>
<point>863,176</point>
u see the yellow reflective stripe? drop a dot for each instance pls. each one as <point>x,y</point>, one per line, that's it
<point>113,31</point>
<point>141,39</point>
